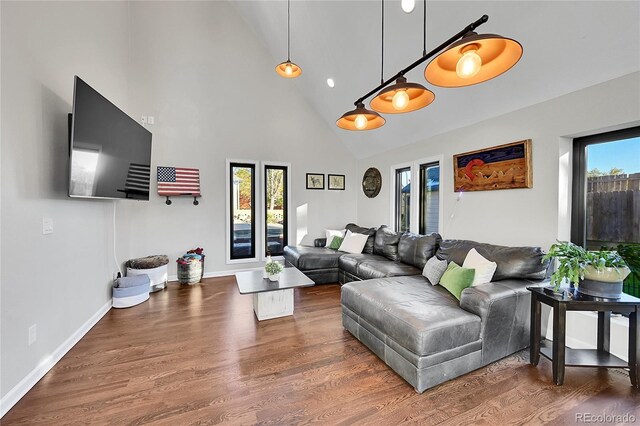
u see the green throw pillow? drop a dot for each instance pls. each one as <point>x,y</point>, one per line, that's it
<point>335,243</point>
<point>456,278</point>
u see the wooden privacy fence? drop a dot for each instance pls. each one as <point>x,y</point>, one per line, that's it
<point>612,183</point>
<point>613,208</point>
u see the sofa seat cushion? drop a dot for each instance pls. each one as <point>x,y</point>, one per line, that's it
<point>349,262</point>
<point>422,318</point>
<point>385,268</point>
<point>309,258</point>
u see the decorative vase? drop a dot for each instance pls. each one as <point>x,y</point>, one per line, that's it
<point>274,277</point>
<point>605,283</point>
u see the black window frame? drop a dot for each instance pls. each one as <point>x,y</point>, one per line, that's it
<point>421,178</point>
<point>398,197</point>
<point>252,254</point>
<point>285,208</point>
<point>579,178</point>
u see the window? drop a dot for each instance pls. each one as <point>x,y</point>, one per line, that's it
<point>429,208</point>
<point>403,199</point>
<point>276,208</point>
<point>606,196</point>
<point>421,201</point>
<point>242,193</point>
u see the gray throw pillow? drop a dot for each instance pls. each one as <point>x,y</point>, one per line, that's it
<point>434,269</point>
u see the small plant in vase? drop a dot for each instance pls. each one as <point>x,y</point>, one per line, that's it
<point>273,270</point>
<point>594,273</point>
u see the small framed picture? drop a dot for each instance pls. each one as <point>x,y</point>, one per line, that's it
<point>336,182</point>
<point>315,181</point>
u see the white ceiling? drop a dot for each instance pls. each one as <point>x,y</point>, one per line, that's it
<point>568,45</point>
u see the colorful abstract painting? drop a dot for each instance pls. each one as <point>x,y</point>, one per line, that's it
<point>500,167</point>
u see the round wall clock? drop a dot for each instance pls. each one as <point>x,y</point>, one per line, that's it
<point>371,182</point>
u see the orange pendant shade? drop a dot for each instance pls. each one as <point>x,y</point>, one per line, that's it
<point>360,119</point>
<point>288,69</point>
<point>392,100</point>
<point>472,60</point>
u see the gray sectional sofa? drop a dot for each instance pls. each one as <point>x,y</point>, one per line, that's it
<point>422,331</point>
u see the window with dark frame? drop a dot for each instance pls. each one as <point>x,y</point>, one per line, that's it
<point>403,199</point>
<point>429,205</point>
<point>276,208</point>
<point>243,218</point>
<point>606,196</point>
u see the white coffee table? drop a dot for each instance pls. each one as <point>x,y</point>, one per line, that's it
<point>272,299</point>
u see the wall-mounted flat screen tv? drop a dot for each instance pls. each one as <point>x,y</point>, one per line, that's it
<point>110,153</point>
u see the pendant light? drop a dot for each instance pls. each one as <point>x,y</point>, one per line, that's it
<point>288,69</point>
<point>472,60</point>
<point>403,97</point>
<point>360,118</point>
<point>467,58</point>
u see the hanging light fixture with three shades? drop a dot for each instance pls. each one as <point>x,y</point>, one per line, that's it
<point>467,58</point>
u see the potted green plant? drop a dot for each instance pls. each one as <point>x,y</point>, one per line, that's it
<point>594,273</point>
<point>273,270</point>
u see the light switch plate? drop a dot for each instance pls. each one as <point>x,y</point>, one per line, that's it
<point>47,226</point>
<point>151,120</point>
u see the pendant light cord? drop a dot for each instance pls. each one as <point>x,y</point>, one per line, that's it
<point>382,45</point>
<point>424,29</point>
<point>288,30</point>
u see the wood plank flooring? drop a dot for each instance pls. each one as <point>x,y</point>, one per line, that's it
<point>197,355</point>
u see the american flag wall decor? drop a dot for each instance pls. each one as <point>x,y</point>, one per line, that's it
<point>174,181</point>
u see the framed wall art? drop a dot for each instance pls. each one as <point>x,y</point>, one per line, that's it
<point>315,181</point>
<point>500,167</point>
<point>336,182</point>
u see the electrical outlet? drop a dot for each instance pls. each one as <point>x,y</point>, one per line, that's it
<point>150,119</point>
<point>32,334</point>
<point>144,119</point>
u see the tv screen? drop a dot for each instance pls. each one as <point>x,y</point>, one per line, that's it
<point>110,152</point>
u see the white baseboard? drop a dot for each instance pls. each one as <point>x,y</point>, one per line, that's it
<point>215,274</point>
<point>19,390</point>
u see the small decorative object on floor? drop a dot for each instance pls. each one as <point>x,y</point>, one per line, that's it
<point>153,266</point>
<point>593,273</point>
<point>273,270</point>
<point>191,266</point>
<point>131,291</point>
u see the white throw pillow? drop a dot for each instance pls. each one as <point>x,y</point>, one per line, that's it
<point>484,267</point>
<point>353,243</point>
<point>330,233</point>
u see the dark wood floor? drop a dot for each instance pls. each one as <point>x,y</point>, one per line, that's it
<point>198,355</point>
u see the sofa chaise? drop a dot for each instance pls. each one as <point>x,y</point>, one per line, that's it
<point>420,330</point>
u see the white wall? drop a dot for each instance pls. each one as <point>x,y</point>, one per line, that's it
<point>56,281</point>
<point>536,216</point>
<point>214,94</point>
<point>203,74</point>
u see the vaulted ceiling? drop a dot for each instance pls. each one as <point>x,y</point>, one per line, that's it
<point>568,45</point>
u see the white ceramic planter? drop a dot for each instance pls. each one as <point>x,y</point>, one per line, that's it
<point>607,275</point>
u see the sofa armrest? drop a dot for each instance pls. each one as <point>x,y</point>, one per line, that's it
<point>319,242</point>
<point>504,308</point>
